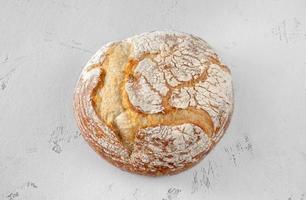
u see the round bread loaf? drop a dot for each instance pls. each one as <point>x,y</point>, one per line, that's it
<point>155,103</point>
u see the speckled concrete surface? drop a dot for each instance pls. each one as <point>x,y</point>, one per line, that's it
<point>45,44</point>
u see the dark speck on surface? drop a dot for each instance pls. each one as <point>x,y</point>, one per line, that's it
<point>3,85</point>
<point>60,137</point>
<point>12,195</point>
<point>172,194</point>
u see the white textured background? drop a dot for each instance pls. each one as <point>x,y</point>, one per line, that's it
<point>45,43</point>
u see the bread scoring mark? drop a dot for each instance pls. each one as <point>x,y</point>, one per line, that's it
<point>95,131</point>
<point>106,95</point>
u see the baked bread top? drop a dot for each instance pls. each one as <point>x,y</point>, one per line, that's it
<point>155,103</point>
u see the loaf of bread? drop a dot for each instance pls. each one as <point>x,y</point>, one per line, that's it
<point>155,103</point>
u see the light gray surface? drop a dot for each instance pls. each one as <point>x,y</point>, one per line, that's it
<point>44,45</point>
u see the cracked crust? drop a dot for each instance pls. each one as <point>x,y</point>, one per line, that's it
<point>155,103</point>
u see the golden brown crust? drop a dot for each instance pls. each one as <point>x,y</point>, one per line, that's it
<point>154,110</point>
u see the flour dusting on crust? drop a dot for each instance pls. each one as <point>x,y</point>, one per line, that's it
<point>169,61</point>
<point>184,143</point>
<point>168,73</point>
